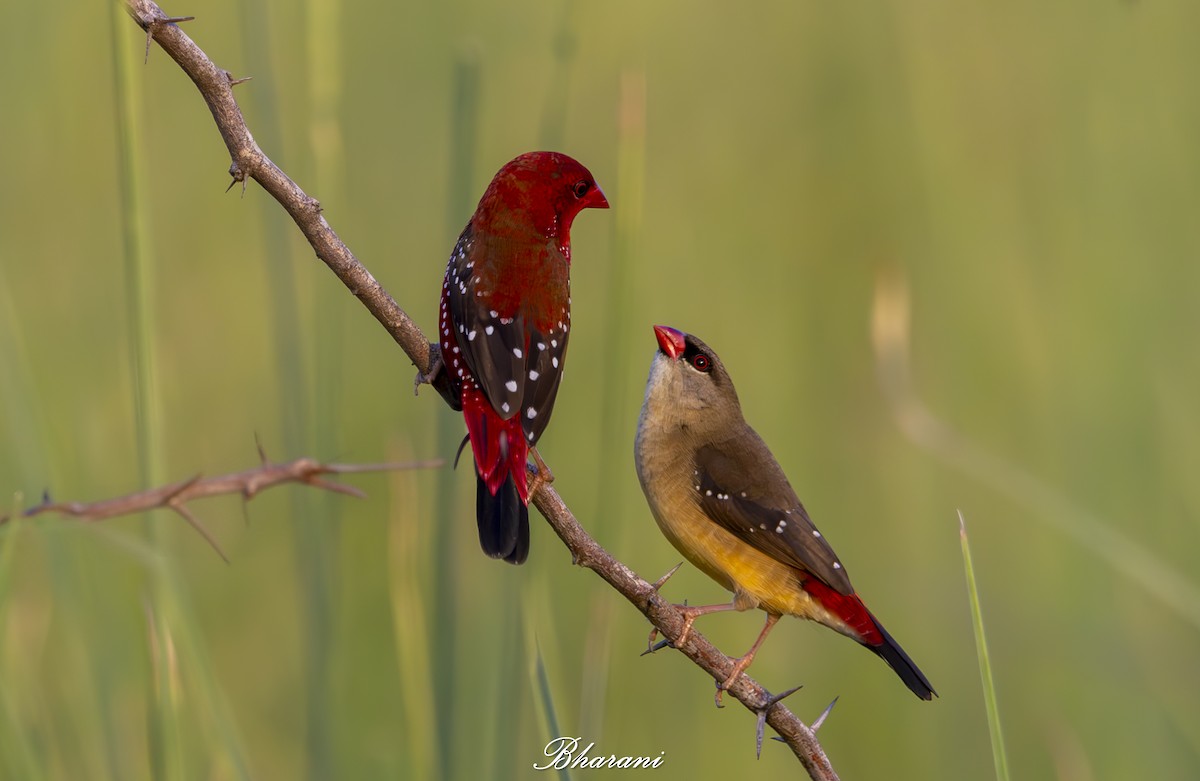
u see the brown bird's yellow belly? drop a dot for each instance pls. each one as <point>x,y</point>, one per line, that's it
<point>756,579</point>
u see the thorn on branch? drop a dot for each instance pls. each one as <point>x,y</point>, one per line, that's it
<point>234,82</point>
<point>816,725</point>
<point>154,24</point>
<point>238,175</point>
<point>762,717</point>
<point>658,584</point>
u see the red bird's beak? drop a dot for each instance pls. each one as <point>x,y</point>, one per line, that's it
<point>596,199</point>
<point>670,341</point>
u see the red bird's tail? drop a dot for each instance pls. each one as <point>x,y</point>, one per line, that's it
<point>502,494</point>
<point>503,522</point>
<point>871,634</point>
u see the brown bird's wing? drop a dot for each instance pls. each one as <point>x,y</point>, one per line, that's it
<point>742,489</point>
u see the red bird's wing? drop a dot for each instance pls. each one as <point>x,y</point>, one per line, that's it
<point>543,372</point>
<point>516,364</point>
<point>492,346</point>
<point>754,501</point>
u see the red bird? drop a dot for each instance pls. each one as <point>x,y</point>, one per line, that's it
<point>505,318</point>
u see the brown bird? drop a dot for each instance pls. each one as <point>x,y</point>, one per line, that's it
<point>722,500</point>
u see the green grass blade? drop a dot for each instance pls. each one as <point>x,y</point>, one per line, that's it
<point>985,665</point>
<point>545,701</point>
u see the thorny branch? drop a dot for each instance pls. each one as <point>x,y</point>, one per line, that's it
<point>248,160</point>
<point>248,483</point>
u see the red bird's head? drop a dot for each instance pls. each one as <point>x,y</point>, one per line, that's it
<point>538,192</point>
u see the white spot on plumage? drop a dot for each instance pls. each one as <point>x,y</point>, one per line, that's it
<point>554,343</point>
<point>554,362</point>
<point>489,330</point>
<point>506,321</point>
<point>471,336</point>
<point>517,352</point>
<point>493,313</point>
<point>762,526</point>
<point>782,525</point>
<point>504,407</point>
<point>533,375</point>
<point>541,345</point>
<point>837,565</point>
<point>531,413</point>
<point>708,493</point>
<point>511,385</point>
<point>816,533</point>
<point>455,349</point>
<point>530,435</point>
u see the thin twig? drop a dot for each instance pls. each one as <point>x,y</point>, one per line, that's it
<point>248,160</point>
<point>248,483</point>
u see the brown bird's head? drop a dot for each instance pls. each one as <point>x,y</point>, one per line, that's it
<point>540,193</point>
<point>689,387</point>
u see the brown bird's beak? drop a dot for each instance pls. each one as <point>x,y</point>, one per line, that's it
<point>670,341</point>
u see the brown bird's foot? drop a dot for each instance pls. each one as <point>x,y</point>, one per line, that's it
<point>543,476</point>
<point>762,716</point>
<point>651,647</point>
<point>739,666</point>
<point>742,662</point>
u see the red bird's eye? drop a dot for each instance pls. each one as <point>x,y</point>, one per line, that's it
<point>701,362</point>
<point>581,188</point>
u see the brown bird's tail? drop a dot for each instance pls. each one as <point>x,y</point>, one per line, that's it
<point>503,521</point>
<point>891,652</point>
<point>867,630</point>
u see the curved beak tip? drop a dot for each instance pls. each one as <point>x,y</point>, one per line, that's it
<point>670,341</point>
<point>600,201</point>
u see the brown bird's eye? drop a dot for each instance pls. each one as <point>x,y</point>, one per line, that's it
<point>581,188</point>
<point>701,362</point>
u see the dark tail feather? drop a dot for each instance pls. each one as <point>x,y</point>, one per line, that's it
<point>891,652</point>
<point>503,521</point>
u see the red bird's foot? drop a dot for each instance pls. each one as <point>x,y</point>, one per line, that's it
<point>435,365</point>
<point>543,476</point>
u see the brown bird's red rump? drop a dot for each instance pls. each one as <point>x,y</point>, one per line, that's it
<point>504,323</point>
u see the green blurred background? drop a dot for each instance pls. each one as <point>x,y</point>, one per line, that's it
<point>1028,173</point>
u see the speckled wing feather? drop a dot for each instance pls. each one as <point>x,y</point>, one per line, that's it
<point>753,500</point>
<point>544,370</point>
<point>492,344</point>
